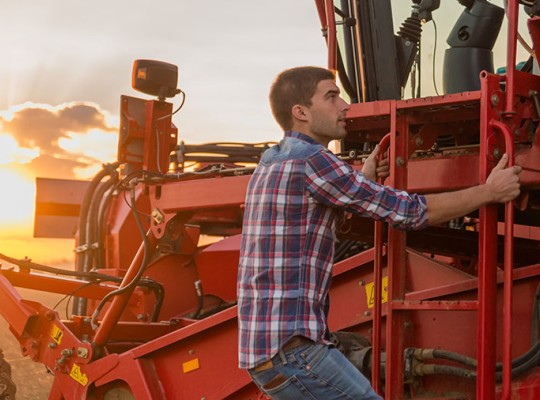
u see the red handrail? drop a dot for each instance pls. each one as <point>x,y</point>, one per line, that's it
<point>508,268</point>
<point>512,14</point>
<point>327,17</point>
<point>384,144</point>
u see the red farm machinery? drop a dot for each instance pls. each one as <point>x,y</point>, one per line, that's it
<point>449,312</point>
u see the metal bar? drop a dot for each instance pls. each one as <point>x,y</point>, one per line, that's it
<point>332,41</point>
<point>199,194</point>
<point>508,269</point>
<point>359,52</point>
<point>119,303</point>
<point>16,314</point>
<point>487,263</point>
<point>322,13</point>
<point>55,284</point>
<point>512,13</point>
<point>377,272</point>
<point>442,305</point>
<point>395,320</point>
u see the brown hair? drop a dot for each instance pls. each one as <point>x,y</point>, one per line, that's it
<point>295,86</point>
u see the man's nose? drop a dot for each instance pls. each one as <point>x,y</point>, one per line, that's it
<point>344,105</point>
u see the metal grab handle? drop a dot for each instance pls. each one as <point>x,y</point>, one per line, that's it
<point>508,267</point>
<point>512,13</point>
<point>384,144</point>
<point>327,17</point>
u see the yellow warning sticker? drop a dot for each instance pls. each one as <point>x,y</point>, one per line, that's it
<point>190,365</point>
<point>56,334</point>
<point>370,292</point>
<point>78,375</point>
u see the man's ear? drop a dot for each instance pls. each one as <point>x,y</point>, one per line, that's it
<point>299,112</point>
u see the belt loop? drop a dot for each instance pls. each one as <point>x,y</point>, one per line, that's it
<point>282,357</point>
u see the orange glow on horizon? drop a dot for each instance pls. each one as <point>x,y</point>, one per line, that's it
<point>17,202</point>
<point>47,141</point>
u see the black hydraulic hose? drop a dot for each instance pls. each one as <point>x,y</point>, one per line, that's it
<point>460,358</point>
<point>79,305</point>
<point>100,256</point>
<point>92,235</point>
<point>422,369</point>
<point>535,316</point>
<point>425,354</point>
<point>94,223</point>
<point>93,277</point>
<point>144,263</point>
<point>522,368</point>
<point>517,370</point>
<point>200,297</point>
<point>159,293</point>
<point>27,264</point>
<point>108,169</point>
<point>532,353</point>
<point>519,366</point>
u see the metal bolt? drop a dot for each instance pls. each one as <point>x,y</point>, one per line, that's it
<point>367,313</point>
<point>497,153</point>
<point>141,317</point>
<point>157,216</point>
<point>362,283</point>
<point>82,352</point>
<point>191,352</point>
<point>494,100</point>
<point>419,141</point>
<point>52,345</point>
<point>400,162</point>
<point>67,352</point>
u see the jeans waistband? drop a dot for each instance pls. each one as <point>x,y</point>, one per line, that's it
<point>293,343</point>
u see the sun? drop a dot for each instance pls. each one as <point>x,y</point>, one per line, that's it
<point>17,200</point>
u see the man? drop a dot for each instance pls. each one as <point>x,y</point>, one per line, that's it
<point>293,201</point>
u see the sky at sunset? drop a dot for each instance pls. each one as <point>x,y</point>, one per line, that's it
<point>66,63</point>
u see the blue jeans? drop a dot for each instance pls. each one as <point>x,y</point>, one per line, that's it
<point>313,371</point>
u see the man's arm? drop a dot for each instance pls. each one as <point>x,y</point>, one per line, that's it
<point>501,186</point>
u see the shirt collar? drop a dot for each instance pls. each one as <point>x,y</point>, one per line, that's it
<point>301,136</point>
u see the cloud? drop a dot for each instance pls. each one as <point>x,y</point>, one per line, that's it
<point>10,152</point>
<point>57,141</point>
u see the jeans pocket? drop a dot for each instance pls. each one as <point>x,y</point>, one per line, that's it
<point>288,389</point>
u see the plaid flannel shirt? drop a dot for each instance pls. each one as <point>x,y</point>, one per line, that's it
<point>294,199</point>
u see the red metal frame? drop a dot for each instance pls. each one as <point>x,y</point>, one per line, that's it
<point>435,299</point>
<point>497,113</point>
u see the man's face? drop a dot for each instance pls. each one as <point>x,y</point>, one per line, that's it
<point>327,113</point>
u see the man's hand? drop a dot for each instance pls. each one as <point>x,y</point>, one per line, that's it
<point>373,168</point>
<point>503,183</point>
